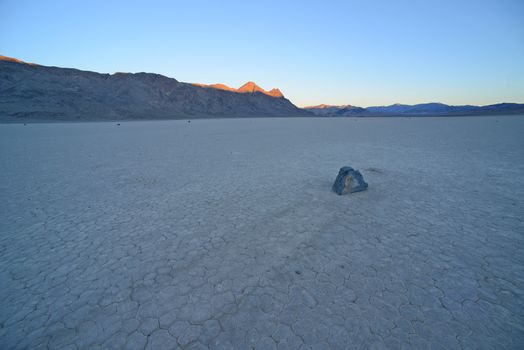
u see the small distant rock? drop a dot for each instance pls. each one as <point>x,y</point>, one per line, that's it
<point>349,180</point>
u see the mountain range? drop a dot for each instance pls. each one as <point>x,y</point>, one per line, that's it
<point>428,109</point>
<point>34,92</point>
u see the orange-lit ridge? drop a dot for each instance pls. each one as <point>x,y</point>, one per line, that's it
<point>11,59</point>
<point>249,87</point>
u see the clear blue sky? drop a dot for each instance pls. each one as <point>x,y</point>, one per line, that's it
<point>336,52</point>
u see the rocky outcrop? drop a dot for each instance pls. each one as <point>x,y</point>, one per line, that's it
<point>35,92</point>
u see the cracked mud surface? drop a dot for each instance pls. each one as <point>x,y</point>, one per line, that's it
<point>224,234</point>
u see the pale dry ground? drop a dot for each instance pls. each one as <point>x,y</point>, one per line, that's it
<point>225,234</point>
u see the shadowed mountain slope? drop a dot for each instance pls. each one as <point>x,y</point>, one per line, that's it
<point>31,91</point>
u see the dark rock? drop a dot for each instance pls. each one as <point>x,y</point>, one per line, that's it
<point>349,180</point>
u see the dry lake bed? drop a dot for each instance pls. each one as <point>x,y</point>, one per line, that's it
<point>224,234</point>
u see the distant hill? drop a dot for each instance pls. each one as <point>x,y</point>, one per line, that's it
<point>328,110</point>
<point>34,92</point>
<point>416,110</point>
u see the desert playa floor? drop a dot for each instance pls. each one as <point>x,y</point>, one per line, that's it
<point>224,234</point>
